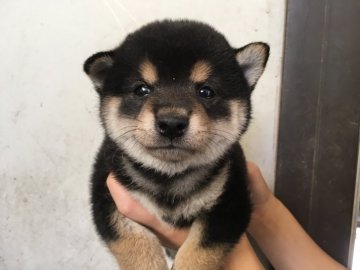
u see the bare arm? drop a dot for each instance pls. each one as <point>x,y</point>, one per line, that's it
<point>280,236</point>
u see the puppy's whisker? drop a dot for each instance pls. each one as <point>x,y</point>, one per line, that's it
<point>217,135</point>
<point>124,128</point>
<point>133,119</point>
<point>208,145</point>
<point>218,132</point>
<point>128,131</point>
<point>127,139</point>
<point>228,138</point>
<point>134,143</point>
<point>224,131</point>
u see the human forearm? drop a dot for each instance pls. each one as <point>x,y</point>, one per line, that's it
<point>243,257</point>
<point>284,241</point>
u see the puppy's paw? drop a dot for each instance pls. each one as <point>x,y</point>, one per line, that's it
<point>195,257</point>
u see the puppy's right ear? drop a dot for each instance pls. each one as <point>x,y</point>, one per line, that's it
<point>252,58</point>
<point>97,67</point>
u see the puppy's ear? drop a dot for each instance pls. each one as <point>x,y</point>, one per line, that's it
<point>252,59</point>
<point>97,67</point>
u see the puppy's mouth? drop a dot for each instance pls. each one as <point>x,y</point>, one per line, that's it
<point>170,152</point>
<point>169,147</point>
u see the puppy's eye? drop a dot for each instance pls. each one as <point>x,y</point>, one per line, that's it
<point>142,90</point>
<point>206,92</point>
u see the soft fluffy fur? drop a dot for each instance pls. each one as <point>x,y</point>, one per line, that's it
<point>174,101</point>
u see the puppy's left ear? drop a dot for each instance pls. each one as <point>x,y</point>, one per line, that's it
<point>97,67</point>
<point>252,59</point>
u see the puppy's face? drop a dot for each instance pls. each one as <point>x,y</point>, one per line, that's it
<point>175,94</point>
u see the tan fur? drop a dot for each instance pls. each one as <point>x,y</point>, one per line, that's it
<point>203,200</point>
<point>209,139</point>
<point>192,255</point>
<point>148,72</point>
<point>174,110</point>
<point>136,248</point>
<point>200,71</point>
<point>200,124</point>
<point>147,122</point>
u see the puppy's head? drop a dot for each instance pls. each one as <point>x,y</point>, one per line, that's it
<point>174,94</point>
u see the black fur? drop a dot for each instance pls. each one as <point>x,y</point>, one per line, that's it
<point>173,47</point>
<point>230,217</point>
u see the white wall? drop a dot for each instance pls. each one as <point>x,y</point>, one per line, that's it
<point>49,128</point>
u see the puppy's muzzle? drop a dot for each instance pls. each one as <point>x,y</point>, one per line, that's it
<point>172,125</point>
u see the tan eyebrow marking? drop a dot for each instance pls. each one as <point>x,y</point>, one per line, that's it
<point>200,71</point>
<point>173,110</point>
<point>148,72</point>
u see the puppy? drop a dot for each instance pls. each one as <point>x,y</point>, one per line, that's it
<point>174,101</point>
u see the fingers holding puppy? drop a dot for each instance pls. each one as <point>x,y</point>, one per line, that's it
<point>131,208</point>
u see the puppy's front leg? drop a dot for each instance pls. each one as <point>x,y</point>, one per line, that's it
<point>194,254</point>
<point>136,248</point>
<point>213,235</point>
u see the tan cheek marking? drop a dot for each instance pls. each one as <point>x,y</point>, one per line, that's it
<point>199,124</point>
<point>232,128</point>
<point>109,111</point>
<point>147,121</point>
<point>109,104</point>
<point>239,112</point>
<point>114,123</point>
<point>200,71</point>
<point>148,72</point>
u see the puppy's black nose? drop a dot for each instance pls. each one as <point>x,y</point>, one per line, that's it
<point>172,126</point>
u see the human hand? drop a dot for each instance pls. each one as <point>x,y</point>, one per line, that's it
<point>171,237</point>
<point>131,208</point>
<point>260,193</point>
<point>241,257</point>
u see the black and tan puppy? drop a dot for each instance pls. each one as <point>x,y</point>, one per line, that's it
<point>174,101</point>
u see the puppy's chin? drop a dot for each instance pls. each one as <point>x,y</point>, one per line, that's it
<point>170,154</point>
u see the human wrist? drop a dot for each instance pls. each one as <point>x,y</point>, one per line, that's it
<point>264,216</point>
<point>169,236</point>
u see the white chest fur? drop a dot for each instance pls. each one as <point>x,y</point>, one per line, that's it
<point>192,206</point>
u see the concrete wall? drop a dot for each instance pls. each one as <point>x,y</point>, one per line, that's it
<point>49,127</point>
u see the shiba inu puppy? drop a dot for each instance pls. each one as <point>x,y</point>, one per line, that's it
<point>174,101</point>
